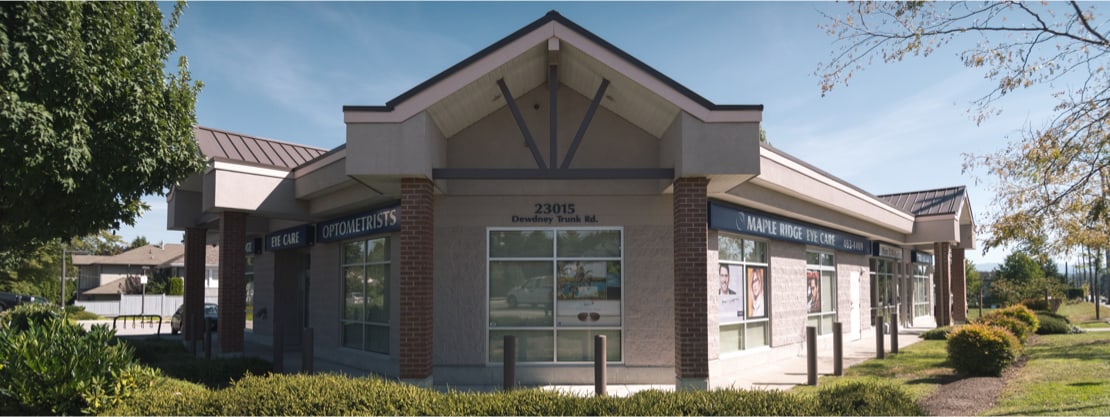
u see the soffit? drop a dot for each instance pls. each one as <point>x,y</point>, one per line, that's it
<point>467,92</point>
<point>576,70</point>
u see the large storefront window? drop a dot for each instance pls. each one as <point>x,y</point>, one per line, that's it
<point>366,271</point>
<point>555,289</point>
<point>921,290</point>
<point>821,291</point>
<point>744,303</point>
<point>883,291</point>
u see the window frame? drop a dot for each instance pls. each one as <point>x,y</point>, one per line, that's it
<point>555,259</point>
<point>745,323</point>
<point>823,316</point>
<point>365,322</point>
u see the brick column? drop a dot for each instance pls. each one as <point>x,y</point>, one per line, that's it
<point>941,274</point>
<point>233,282</point>
<point>194,280</point>
<point>959,286</point>
<point>691,284</point>
<point>416,271</point>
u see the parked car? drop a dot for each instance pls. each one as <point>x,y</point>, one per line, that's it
<point>9,300</point>
<point>210,311</point>
<point>534,291</point>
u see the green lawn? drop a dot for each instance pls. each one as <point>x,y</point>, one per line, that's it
<point>1083,314</point>
<point>1063,375</point>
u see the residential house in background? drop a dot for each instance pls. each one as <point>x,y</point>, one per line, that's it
<point>101,278</point>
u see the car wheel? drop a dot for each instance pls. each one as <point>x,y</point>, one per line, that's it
<point>512,302</point>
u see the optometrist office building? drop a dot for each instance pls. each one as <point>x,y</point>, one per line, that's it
<point>554,188</point>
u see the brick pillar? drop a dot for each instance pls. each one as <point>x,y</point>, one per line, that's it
<point>941,275</point>
<point>194,280</point>
<point>691,284</point>
<point>416,271</point>
<point>233,282</point>
<point>959,286</point>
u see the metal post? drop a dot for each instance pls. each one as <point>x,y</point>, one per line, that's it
<point>509,376</point>
<point>893,332</point>
<point>599,365</point>
<point>879,338</point>
<point>62,302</point>
<point>811,355</point>
<point>838,348</point>
<point>307,352</point>
<point>279,350</point>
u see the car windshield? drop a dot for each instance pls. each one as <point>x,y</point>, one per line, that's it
<point>210,310</point>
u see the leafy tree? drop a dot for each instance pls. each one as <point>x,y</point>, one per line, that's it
<point>138,242</point>
<point>1020,277</point>
<point>37,273</point>
<point>974,282</point>
<point>90,120</point>
<point>1055,180</point>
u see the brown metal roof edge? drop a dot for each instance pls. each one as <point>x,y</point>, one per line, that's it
<point>259,138</point>
<point>959,192</point>
<point>552,16</point>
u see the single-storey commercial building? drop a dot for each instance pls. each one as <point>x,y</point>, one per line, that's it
<point>554,188</point>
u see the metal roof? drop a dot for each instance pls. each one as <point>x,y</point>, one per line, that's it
<point>930,202</point>
<point>221,144</point>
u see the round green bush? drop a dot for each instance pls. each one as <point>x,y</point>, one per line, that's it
<point>865,398</point>
<point>982,350</point>
<point>1020,329</point>
<point>1020,312</point>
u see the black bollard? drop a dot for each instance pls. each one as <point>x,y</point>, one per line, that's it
<point>893,332</point>
<point>308,354</point>
<point>811,354</point>
<point>508,379</point>
<point>838,349</point>
<point>599,365</point>
<point>879,338</point>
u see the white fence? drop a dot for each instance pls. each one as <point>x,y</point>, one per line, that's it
<point>163,305</point>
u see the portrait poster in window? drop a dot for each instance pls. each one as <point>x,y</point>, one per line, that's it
<point>731,293</point>
<point>813,291</point>
<point>757,287</point>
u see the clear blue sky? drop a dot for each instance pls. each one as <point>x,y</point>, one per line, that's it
<point>284,71</point>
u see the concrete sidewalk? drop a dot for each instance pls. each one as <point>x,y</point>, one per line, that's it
<point>781,374</point>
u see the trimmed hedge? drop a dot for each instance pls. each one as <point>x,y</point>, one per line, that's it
<point>331,394</point>
<point>979,349</point>
<point>939,333</point>
<point>1020,329</point>
<point>1019,312</point>
<point>1052,323</point>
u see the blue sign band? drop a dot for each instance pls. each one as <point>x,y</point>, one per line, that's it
<point>362,224</point>
<point>291,238</point>
<point>753,222</point>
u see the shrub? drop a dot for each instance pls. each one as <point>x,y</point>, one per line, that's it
<point>1020,329</point>
<point>55,367</point>
<point>978,349</point>
<point>175,361</point>
<point>176,287</point>
<point>1020,312</point>
<point>25,316</point>
<point>79,313</point>
<point>166,397</point>
<point>1053,324</point>
<point>939,333</point>
<point>865,398</point>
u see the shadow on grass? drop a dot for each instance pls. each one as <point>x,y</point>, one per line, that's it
<point>171,357</point>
